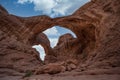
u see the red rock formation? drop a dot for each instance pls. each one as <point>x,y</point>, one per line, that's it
<point>44,41</point>
<point>14,53</point>
<point>107,36</point>
<point>53,68</point>
<point>95,24</point>
<point>67,46</point>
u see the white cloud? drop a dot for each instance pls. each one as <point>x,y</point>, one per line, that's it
<point>43,5</point>
<point>22,1</point>
<point>52,32</point>
<point>41,51</point>
<point>55,8</point>
<point>53,41</point>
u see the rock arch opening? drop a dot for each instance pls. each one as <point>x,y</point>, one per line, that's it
<point>50,38</point>
<point>55,32</point>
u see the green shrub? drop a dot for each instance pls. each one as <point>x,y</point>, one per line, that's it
<point>28,73</point>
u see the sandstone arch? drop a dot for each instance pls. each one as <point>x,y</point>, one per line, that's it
<point>84,30</point>
<point>78,26</point>
<point>40,24</point>
<point>31,27</point>
<point>96,25</point>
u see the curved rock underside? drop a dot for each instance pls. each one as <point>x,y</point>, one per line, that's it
<point>96,25</point>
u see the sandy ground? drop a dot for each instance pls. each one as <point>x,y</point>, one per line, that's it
<point>81,77</point>
<point>94,74</point>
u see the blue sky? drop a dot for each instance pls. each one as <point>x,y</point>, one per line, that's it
<point>52,8</point>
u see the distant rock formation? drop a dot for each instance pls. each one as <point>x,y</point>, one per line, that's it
<point>96,25</point>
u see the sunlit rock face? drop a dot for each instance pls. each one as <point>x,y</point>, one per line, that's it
<point>96,25</point>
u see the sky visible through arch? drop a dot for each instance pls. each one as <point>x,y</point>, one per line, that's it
<point>52,8</point>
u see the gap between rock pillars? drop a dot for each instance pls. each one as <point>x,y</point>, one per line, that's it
<point>53,34</point>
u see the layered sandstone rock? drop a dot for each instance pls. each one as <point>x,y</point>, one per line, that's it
<point>15,55</point>
<point>43,40</point>
<point>95,24</point>
<point>54,68</point>
<point>107,47</point>
<point>67,46</point>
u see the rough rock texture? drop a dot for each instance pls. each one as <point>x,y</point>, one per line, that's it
<point>15,55</point>
<point>107,32</point>
<point>44,41</point>
<point>67,46</point>
<point>96,25</point>
<point>53,68</point>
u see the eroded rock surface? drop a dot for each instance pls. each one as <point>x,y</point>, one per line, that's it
<point>96,25</point>
<point>15,54</point>
<point>54,68</point>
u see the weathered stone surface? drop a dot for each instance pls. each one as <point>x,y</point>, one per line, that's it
<point>14,53</point>
<point>96,25</point>
<point>107,36</point>
<point>67,46</point>
<point>53,68</point>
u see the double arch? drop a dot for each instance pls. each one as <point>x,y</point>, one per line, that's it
<point>83,29</point>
